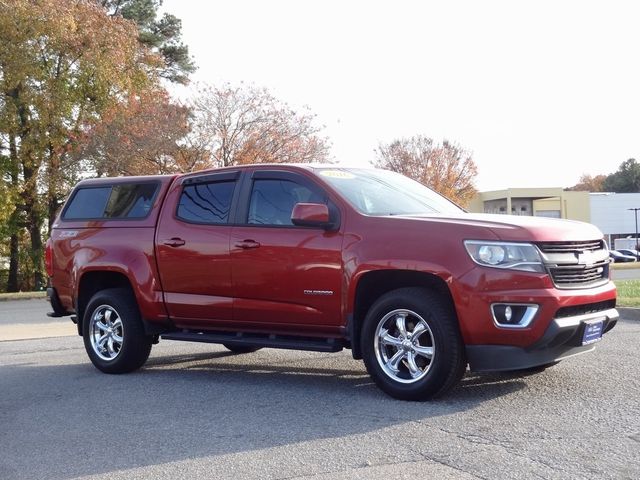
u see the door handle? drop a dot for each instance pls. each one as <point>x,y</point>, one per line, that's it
<point>174,242</point>
<point>246,244</point>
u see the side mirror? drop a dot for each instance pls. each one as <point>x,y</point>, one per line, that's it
<point>311,215</point>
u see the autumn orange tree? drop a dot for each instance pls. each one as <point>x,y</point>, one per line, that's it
<point>589,183</point>
<point>446,168</point>
<point>240,125</point>
<point>62,65</point>
<point>142,136</point>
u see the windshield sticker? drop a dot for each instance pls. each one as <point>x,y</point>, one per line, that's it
<point>337,174</point>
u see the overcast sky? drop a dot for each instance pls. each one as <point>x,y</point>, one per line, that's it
<point>539,91</point>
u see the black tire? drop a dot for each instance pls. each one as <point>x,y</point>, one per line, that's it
<point>240,348</point>
<point>128,347</point>
<point>434,376</point>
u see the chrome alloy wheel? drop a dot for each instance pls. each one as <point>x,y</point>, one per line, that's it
<point>105,331</point>
<point>404,346</point>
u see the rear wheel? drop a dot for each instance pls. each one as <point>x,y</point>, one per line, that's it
<point>411,344</point>
<point>240,348</point>
<point>113,332</point>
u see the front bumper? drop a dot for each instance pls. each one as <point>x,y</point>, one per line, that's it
<point>561,339</point>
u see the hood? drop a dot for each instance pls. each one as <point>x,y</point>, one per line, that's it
<point>519,228</point>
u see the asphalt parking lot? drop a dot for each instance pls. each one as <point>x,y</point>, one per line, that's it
<point>197,411</point>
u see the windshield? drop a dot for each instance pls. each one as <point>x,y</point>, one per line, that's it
<point>382,192</point>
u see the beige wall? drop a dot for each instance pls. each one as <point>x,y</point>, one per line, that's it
<point>571,205</point>
<point>577,206</point>
<point>553,203</point>
<point>476,205</point>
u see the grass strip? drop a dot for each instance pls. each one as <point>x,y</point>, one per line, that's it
<point>628,293</point>
<point>22,295</point>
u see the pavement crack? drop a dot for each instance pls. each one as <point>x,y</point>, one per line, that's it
<point>477,439</point>
<point>486,441</point>
<point>449,465</point>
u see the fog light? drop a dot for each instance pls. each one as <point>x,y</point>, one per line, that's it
<point>508,313</point>
<point>513,315</point>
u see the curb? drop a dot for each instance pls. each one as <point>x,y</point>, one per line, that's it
<point>33,331</point>
<point>625,266</point>
<point>629,313</point>
<point>5,297</point>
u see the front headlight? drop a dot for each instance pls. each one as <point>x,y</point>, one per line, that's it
<point>514,256</point>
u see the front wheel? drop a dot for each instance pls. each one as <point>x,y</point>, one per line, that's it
<point>113,333</point>
<point>411,344</point>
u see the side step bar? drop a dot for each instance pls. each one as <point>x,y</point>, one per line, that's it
<point>258,340</point>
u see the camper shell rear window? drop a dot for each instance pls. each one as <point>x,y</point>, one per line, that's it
<point>119,201</point>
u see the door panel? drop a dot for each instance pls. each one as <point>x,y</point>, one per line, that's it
<point>282,274</point>
<point>293,277</point>
<point>192,245</point>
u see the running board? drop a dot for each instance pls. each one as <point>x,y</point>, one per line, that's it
<point>256,340</point>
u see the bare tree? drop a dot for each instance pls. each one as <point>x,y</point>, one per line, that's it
<point>446,168</point>
<point>240,125</point>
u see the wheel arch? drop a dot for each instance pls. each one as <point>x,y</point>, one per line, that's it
<point>373,284</point>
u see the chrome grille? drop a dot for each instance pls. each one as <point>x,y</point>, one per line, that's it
<point>576,264</point>
<point>580,275</point>
<point>569,247</point>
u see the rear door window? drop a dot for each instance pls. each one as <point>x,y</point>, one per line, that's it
<point>207,203</point>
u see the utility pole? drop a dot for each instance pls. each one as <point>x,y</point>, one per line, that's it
<point>635,211</point>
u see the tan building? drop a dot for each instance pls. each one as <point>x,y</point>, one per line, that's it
<point>613,213</point>
<point>539,202</point>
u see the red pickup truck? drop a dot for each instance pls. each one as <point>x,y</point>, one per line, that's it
<point>324,258</point>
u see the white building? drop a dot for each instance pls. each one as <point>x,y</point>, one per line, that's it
<point>612,213</point>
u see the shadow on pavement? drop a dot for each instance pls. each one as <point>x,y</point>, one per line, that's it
<point>64,421</point>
